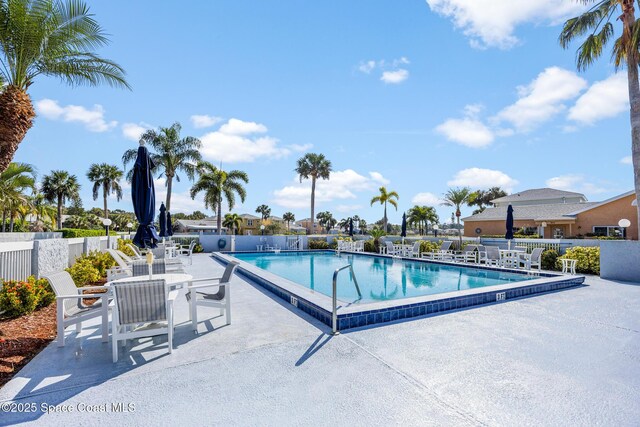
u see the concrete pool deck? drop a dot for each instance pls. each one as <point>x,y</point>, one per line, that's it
<point>562,358</point>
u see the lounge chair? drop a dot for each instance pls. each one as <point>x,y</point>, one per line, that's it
<point>220,299</point>
<point>70,308</point>
<point>136,251</point>
<point>359,246</point>
<point>391,249</point>
<point>141,309</point>
<point>468,254</point>
<point>414,252</point>
<point>489,256</point>
<point>534,259</point>
<point>442,253</point>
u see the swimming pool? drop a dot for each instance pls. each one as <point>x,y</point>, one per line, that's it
<point>380,278</point>
<point>392,288</point>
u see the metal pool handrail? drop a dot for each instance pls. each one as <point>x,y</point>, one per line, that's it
<point>334,320</point>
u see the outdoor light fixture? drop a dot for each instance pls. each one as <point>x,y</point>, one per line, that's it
<point>107,222</point>
<point>129,226</point>
<point>262,229</point>
<point>435,230</point>
<point>624,223</point>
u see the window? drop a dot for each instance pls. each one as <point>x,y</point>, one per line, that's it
<point>608,231</point>
<point>250,222</point>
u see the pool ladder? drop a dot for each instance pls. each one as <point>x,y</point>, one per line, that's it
<point>334,319</point>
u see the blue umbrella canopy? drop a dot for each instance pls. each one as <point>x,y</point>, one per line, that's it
<point>403,231</point>
<point>162,219</point>
<point>509,234</point>
<point>351,227</point>
<point>143,196</point>
<point>169,225</point>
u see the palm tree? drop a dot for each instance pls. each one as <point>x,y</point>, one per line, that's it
<point>171,155</point>
<point>44,212</point>
<point>289,217</point>
<point>343,224</point>
<point>362,225</point>
<point>596,22</point>
<point>232,221</point>
<point>264,211</point>
<point>313,166</point>
<point>108,178</point>
<point>218,186</point>
<point>326,220</point>
<point>421,216</point>
<point>383,198</point>
<point>14,181</point>
<point>49,38</point>
<point>457,197</point>
<point>58,187</point>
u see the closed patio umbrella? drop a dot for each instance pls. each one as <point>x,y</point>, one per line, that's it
<point>143,196</point>
<point>351,227</point>
<point>169,225</point>
<point>163,221</point>
<point>509,234</point>
<point>403,231</point>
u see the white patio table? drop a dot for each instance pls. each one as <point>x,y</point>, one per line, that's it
<point>509,257</point>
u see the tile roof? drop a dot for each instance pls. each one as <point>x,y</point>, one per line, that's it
<point>556,211</point>
<point>537,194</point>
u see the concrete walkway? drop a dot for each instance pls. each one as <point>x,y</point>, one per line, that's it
<point>566,358</point>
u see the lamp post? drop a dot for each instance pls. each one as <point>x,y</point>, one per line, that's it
<point>624,223</point>
<point>435,230</point>
<point>262,229</point>
<point>129,227</point>
<point>107,222</point>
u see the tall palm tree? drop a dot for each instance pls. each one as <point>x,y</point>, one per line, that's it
<point>45,213</point>
<point>457,197</point>
<point>58,187</point>
<point>289,217</point>
<point>326,220</point>
<point>14,182</point>
<point>45,37</point>
<point>383,198</point>
<point>171,154</point>
<point>597,23</point>
<point>264,211</point>
<point>218,186</point>
<point>422,216</point>
<point>313,166</point>
<point>232,221</point>
<point>108,178</point>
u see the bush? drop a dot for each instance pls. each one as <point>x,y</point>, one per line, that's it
<point>101,261</point>
<point>122,246</point>
<point>548,259</point>
<point>429,246</point>
<point>69,233</point>
<point>588,259</point>
<point>197,249</point>
<point>318,244</point>
<point>84,272</point>
<point>369,246</point>
<point>18,298</point>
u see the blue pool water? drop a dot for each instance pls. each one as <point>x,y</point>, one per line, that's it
<point>380,278</point>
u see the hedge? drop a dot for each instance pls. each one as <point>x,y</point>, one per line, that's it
<point>69,233</point>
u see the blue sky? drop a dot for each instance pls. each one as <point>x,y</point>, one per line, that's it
<point>416,95</point>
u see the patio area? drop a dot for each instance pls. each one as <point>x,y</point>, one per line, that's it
<point>563,358</point>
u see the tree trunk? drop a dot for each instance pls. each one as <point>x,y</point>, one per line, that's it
<point>167,202</point>
<point>219,222</point>
<point>16,118</point>
<point>59,212</point>
<point>313,203</point>
<point>459,233</point>
<point>4,219</point>
<point>628,18</point>
<point>384,219</point>
<point>12,215</point>
<point>104,199</point>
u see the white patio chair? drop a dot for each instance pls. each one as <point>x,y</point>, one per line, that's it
<point>136,251</point>
<point>468,254</point>
<point>141,268</point>
<point>490,255</point>
<point>70,308</point>
<point>359,246</point>
<point>414,252</point>
<point>141,309</point>
<point>392,250</point>
<point>123,269</point>
<point>186,251</point>
<point>220,299</point>
<point>534,259</point>
<point>442,253</point>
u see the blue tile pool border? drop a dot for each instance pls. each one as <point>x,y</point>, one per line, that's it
<point>359,315</point>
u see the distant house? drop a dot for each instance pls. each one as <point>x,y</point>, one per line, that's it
<point>555,213</point>
<point>207,225</point>
<point>306,224</point>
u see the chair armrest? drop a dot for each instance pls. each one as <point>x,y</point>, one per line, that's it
<point>207,285</point>
<point>94,288</point>
<point>100,295</point>
<point>173,295</point>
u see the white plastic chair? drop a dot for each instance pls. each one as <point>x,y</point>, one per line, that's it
<point>414,251</point>
<point>141,309</point>
<point>468,254</point>
<point>534,259</point>
<point>220,299</point>
<point>70,308</point>
<point>187,251</point>
<point>443,253</point>
<point>392,250</point>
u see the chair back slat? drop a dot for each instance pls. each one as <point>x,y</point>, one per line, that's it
<point>140,302</point>
<point>228,271</point>
<point>62,284</point>
<point>536,254</point>
<point>141,268</point>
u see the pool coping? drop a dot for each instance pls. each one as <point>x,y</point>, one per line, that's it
<point>351,315</point>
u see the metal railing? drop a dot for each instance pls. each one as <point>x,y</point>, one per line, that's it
<point>334,319</point>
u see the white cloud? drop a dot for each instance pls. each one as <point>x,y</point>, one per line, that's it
<point>428,199</point>
<point>574,182</point>
<point>348,208</point>
<point>626,160</point>
<point>367,66</point>
<point>479,179</point>
<point>341,185</point>
<point>469,132</point>
<point>204,120</point>
<point>491,23</point>
<point>240,127</point>
<point>542,99</point>
<point>92,119</point>
<point>604,99</point>
<point>234,142</point>
<point>395,77</point>
<point>377,177</point>
<point>134,131</point>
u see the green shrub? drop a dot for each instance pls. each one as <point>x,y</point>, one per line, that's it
<point>369,246</point>
<point>122,246</point>
<point>548,259</point>
<point>429,246</point>
<point>69,233</point>
<point>318,244</point>
<point>102,261</point>
<point>197,249</point>
<point>84,272</point>
<point>18,298</point>
<point>588,259</point>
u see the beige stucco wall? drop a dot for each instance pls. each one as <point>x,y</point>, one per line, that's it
<point>609,214</point>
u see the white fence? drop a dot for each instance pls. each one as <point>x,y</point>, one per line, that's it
<point>15,260</point>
